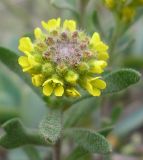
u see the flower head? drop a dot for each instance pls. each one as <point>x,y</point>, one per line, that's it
<point>64,59</point>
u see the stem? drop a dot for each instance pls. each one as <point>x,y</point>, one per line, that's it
<point>83,4</point>
<point>57,150</point>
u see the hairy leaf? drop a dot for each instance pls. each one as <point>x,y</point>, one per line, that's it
<point>79,154</point>
<point>51,126</point>
<point>89,140</point>
<point>10,59</point>
<point>16,135</point>
<point>121,79</point>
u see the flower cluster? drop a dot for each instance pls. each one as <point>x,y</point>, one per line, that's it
<point>126,10</point>
<point>63,59</point>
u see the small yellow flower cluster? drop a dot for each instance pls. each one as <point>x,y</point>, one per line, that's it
<point>64,60</point>
<point>126,10</point>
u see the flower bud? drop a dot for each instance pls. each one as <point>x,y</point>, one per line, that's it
<point>47,69</point>
<point>83,67</point>
<point>37,80</point>
<point>97,66</point>
<point>71,77</point>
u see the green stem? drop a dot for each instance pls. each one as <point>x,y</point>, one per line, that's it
<point>83,4</point>
<point>115,37</point>
<point>57,150</point>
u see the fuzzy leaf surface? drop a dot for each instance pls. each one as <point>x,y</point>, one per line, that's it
<point>89,140</point>
<point>51,126</point>
<point>16,135</point>
<point>120,80</point>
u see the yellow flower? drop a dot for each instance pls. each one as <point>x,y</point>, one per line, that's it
<point>97,44</point>
<point>27,63</point>
<point>103,56</point>
<point>25,45</point>
<point>71,77</point>
<point>37,80</point>
<point>52,24</point>
<point>95,85</point>
<point>97,66</point>
<point>110,3</point>
<point>128,13</point>
<point>72,92</point>
<point>62,58</point>
<point>53,85</point>
<point>38,33</point>
<point>69,25</point>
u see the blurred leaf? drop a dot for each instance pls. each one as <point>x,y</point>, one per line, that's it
<point>121,79</point>
<point>79,154</point>
<point>51,126</point>
<point>7,114</point>
<point>131,122</point>
<point>83,108</point>
<point>105,131</point>
<point>133,62</point>
<point>64,4</point>
<point>16,135</point>
<point>7,85</point>
<point>116,112</point>
<point>96,22</point>
<point>89,140</point>
<point>10,59</point>
<point>32,153</point>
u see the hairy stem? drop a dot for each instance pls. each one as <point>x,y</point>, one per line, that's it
<point>57,150</point>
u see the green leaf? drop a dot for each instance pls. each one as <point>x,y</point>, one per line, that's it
<point>64,4</point>
<point>89,140</point>
<point>10,59</point>
<point>51,126</point>
<point>83,108</point>
<point>79,154</point>
<point>16,135</point>
<point>7,113</point>
<point>105,131</point>
<point>121,79</point>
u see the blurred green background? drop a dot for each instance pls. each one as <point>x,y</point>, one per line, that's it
<point>20,17</point>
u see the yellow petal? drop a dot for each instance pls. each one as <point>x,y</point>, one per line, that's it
<point>44,25</point>
<point>47,82</point>
<point>23,61</point>
<point>96,92</point>
<point>52,24</point>
<point>47,90</point>
<point>38,33</point>
<point>69,25</point>
<point>101,47</point>
<point>57,81</point>
<point>25,45</point>
<point>59,90</point>
<point>32,61</point>
<point>72,92</point>
<point>95,38</point>
<point>53,80</point>
<point>97,66</point>
<point>102,56</point>
<point>98,83</point>
<point>37,80</point>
